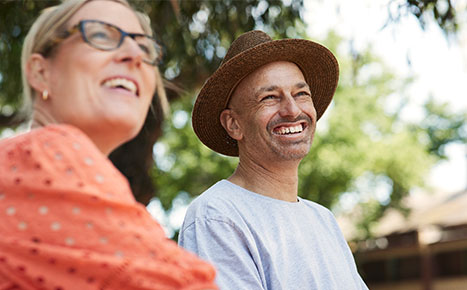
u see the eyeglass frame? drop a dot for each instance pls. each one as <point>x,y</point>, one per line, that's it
<point>79,27</point>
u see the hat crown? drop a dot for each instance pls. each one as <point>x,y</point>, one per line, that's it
<point>246,41</point>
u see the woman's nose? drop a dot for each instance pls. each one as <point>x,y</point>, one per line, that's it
<point>130,51</point>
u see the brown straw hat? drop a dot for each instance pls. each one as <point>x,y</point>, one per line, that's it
<point>247,53</point>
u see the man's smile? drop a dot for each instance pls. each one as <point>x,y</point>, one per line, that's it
<point>289,129</point>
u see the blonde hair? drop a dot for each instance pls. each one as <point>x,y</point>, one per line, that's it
<point>48,27</point>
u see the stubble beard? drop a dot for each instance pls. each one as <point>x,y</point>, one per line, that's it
<point>295,150</point>
<point>292,150</point>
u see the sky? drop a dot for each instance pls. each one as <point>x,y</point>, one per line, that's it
<point>439,64</point>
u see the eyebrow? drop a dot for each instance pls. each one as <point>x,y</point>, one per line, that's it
<point>266,89</point>
<point>272,88</point>
<point>301,85</point>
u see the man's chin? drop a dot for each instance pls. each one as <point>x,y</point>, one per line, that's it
<point>289,154</point>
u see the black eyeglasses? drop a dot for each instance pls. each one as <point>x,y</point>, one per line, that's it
<point>105,36</point>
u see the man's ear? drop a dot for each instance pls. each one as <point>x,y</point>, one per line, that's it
<point>230,124</point>
<point>37,72</point>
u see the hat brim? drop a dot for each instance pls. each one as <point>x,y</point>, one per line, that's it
<point>317,63</point>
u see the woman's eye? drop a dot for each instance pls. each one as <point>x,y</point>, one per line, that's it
<point>144,48</point>
<point>99,35</point>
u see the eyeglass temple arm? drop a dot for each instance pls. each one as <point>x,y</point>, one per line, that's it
<point>65,34</point>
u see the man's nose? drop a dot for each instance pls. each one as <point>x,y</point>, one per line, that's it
<point>289,107</point>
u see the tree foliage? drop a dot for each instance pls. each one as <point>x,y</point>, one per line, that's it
<point>361,144</point>
<point>195,36</point>
<point>442,12</point>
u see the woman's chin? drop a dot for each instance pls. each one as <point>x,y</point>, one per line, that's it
<point>111,132</point>
<point>127,129</point>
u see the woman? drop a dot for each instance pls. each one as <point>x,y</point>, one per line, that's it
<point>68,218</point>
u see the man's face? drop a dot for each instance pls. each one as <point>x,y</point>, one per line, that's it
<point>275,113</point>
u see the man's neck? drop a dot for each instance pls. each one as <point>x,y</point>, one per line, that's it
<point>279,180</point>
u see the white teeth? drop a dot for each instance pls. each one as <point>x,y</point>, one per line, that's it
<point>294,129</point>
<point>120,82</point>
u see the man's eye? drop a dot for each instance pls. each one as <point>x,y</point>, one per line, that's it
<point>304,93</point>
<point>269,97</point>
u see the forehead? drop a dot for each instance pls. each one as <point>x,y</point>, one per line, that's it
<point>108,11</point>
<point>280,74</point>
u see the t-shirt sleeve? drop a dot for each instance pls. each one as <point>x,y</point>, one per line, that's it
<point>226,246</point>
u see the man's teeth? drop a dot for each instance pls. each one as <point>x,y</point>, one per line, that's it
<point>290,130</point>
<point>124,83</point>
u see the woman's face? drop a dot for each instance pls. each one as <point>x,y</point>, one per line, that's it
<point>94,89</point>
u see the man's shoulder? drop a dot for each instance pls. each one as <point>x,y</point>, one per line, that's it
<point>318,209</point>
<point>218,193</point>
<point>218,200</point>
<point>314,205</point>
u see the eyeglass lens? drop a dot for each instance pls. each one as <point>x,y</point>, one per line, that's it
<point>108,37</point>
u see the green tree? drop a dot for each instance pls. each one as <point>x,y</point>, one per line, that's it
<point>195,36</point>
<point>442,12</point>
<point>360,146</point>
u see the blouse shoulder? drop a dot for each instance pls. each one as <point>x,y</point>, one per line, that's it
<point>60,157</point>
<point>68,216</point>
<point>58,135</point>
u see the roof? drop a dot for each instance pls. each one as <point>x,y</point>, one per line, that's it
<point>438,209</point>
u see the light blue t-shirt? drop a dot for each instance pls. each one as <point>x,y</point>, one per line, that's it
<point>257,242</point>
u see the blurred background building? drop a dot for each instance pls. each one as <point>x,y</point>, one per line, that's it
<point>426,250</point>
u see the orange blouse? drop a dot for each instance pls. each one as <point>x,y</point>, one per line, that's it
<point>68,220</point>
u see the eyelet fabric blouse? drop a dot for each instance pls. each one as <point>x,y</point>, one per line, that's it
<point>68,220</point>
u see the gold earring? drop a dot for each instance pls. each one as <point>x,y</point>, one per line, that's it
<point>45,95</point>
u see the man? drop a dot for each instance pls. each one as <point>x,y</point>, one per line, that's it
<point>262,105</point>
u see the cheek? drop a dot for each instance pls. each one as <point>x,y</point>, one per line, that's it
<point>63,82</point>
<point>261,123</point>
<point>70,73</point>
<point>309,109</point>
<point>267,114</point>
<point>150,76</point>
<point>149,84</point>
<point>73,86</point>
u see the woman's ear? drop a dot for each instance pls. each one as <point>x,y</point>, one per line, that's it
<point>230,123</point>
<point>37,72</point>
